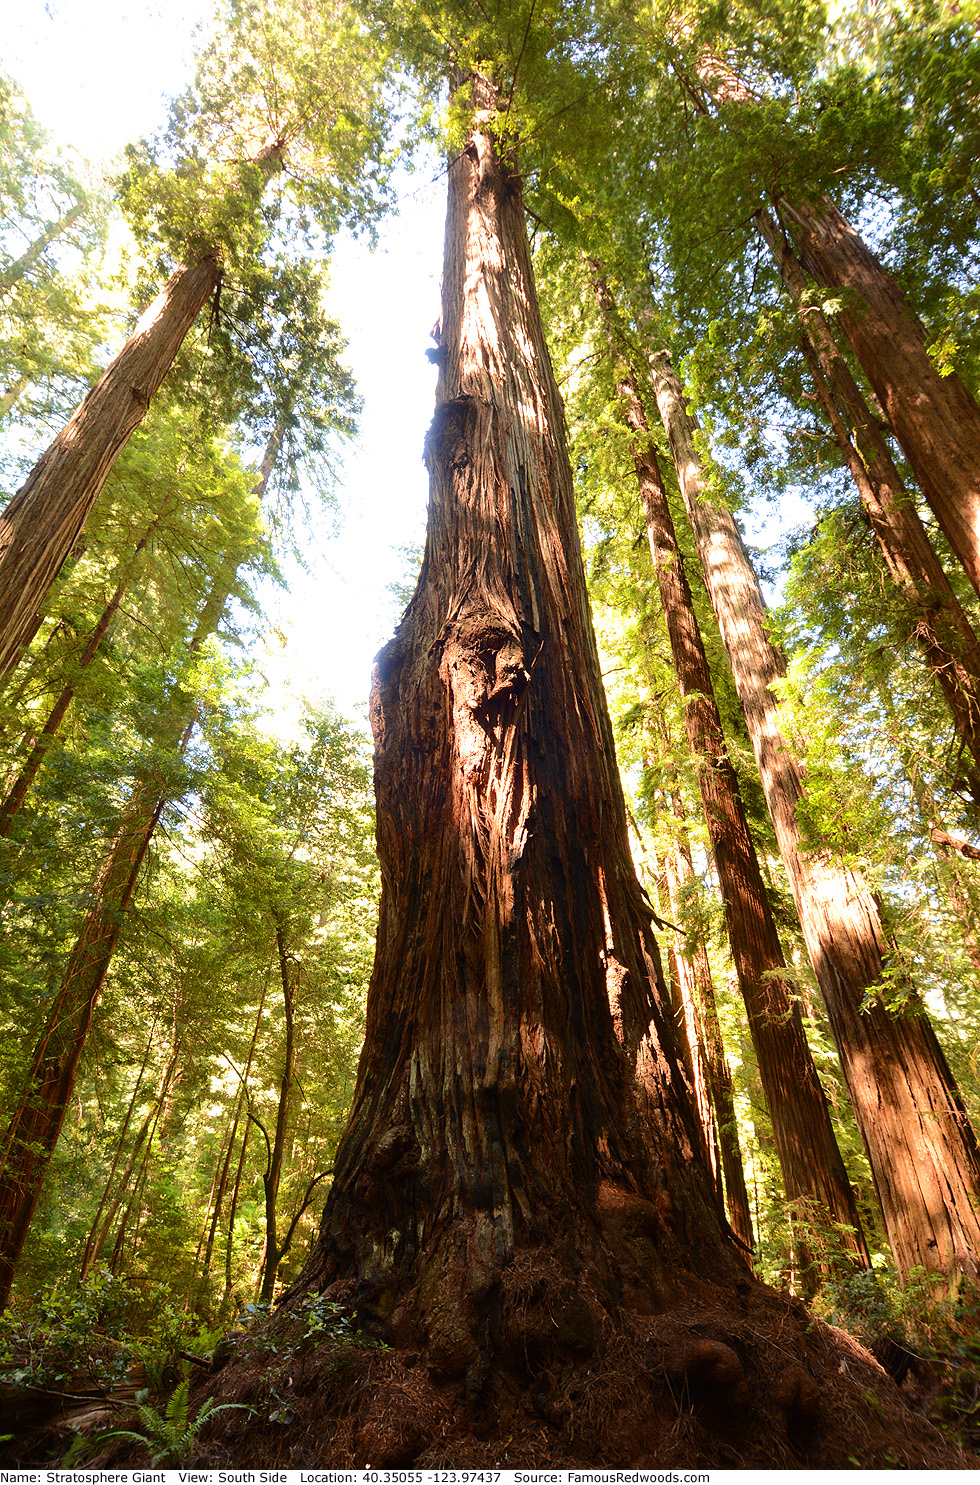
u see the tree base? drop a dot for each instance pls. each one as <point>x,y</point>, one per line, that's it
<point>734,1381</point>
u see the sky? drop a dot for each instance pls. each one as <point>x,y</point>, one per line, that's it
<point>98,75</point>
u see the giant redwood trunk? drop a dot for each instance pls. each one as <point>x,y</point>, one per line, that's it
<point>521,1205</point>
<point>943,631</point>
<point>41,523</point>
<point>520,1089</point>
<point>935,419</point>
<point>922,1150</point>
<point>814,1176</point>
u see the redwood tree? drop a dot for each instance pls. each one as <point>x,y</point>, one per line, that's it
<point>813,1172</point>
<point>520,1077</point>
<point>935,418</point>
<point>922,1150</point>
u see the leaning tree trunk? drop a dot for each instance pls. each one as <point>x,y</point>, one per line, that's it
<point>935,419</point>
<point>35,1126</point>
<point>21,786</point>
<point>923,1152</point>
<point>23,265</point>
<point>814,1176</point>
<point>520,1086</point>
<point>943,631</point>
<point>41,523</point>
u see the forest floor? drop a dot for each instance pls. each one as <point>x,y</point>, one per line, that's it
<point>758,1383</point>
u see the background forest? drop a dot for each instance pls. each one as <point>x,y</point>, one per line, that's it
<point>189,883</point>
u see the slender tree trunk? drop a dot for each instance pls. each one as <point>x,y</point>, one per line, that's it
<point>43,521</point>
<point>33,1131</point>
<point>21,786</point>
<point>922,1150</point>
<point>942,629</point>
<point>88,1255</point>
<point>935,419</point>
<point>688,1020</point>
<point>245,1135</point>
<point>22,265</point>
<point>233,1208</point>
<point>13,392</point>
<point>273,1171</point>
<point>220,1165</point>
<point>137,1153</point>
<point>692,959</point>
<point>520,1086</point>
<point>222,1186</point>
<point>814,1176</point>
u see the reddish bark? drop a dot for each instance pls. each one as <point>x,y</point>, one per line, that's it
<point>21,786</point>
<point>813,1171</point>
<point>922,1150</point>
<point>520,1080</point>
<point>935,419</point>
<point>41,523</point>
<point>35,1126</point>
<point>697,987</point>
<point>943,631</point>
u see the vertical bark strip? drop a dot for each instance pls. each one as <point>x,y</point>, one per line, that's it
<point>922,1150</point>
<point>934,417</point>
<point>42,522</point>
<point>814,1176</point>
<point>520,1080</point>
<point>943,631</point>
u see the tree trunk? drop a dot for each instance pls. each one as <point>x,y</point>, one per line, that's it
<point>520,1087</point>
<point>693,961</point>
<point>22,265</point>
<point>813,1172</point>
<point>687,1017</point>
<point>922,1150</point>
<point>273,1171</point>
<point>34,1129</point>
<point>88,1257</point>
<point>21,786</point>
<point>806,1145</point>
<point>13,392</point>
<point>935,419</point>
<point>942,629</point>
<point>42,522</point>
<point>145,1132</point>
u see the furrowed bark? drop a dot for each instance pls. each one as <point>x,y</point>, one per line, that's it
<point>814,1176</point>
<point>935,419</point>
<point>943,631</point>
<point>520,1083</point>
<point>922,1150</point>
<point>41,523</point>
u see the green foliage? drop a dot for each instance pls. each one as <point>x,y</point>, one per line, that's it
<point>168,1437</point>
<point>329,1324</point>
